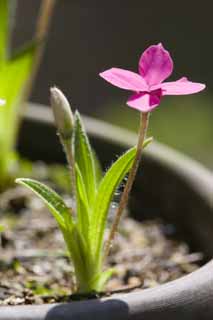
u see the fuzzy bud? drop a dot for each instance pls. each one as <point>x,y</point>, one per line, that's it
<point>62,113</point>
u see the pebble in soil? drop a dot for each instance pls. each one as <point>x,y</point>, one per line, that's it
<point>34,267</point>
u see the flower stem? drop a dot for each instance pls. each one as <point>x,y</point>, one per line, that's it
<point>44,18</point>
<point>66,143</point>
<point>144,120</point>
<point>42,26</point>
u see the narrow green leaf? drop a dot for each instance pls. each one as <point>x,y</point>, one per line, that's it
<point>77,247</point>
<point>100,280</point>
<point>105,193</point>
<point>82,204</point>
<point>98,168</point>
<point>85,269</point>
<point>147,142</point>
<point>53,201</point>
<point>4,30</point>
<point>106,190</point>
<point>84,158</point>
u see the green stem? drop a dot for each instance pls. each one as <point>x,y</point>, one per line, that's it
<point>71,162</point>
<point>42,26</point>
<point>144,120</point>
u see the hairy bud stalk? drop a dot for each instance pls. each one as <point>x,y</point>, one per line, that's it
<point>64,121</point>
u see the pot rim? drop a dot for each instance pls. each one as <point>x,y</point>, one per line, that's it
<point>194,290</point>
<point>191,171</point>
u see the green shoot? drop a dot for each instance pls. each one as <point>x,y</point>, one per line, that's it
<point>83,228</point>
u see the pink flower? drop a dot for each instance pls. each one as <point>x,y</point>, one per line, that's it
<point>155,65</point>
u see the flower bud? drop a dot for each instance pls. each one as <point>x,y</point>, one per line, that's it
<point>62,113</point>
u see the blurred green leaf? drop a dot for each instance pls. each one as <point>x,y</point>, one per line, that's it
<point>4,30</point>
<point>14,75</point>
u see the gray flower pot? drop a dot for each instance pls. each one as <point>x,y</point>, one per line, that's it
<point>169,184</point>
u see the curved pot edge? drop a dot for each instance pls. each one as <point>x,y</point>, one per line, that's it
<point>191,294</point>
<point>190,170</point>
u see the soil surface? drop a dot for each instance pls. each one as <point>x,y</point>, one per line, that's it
<point>35,269</point>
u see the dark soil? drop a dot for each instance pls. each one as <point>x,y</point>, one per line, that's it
<point>34,267</point>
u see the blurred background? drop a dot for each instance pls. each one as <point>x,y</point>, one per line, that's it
<point>87,37</point>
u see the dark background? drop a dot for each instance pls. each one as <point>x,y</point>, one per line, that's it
<point>87,37</point>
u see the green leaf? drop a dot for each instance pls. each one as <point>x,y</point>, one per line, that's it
<point>53,201</point>
<point>100,280</point>
<point>4,30</point>
<point>14,74</point>
<point>84,158</point>
<point>13,78</point>
<point>1,228</point>
<point>76,248</point>
<point>85,269</point>
<point>147,142</point>
<point>75,242</point>
<point>83,209</point>
<point>106,190</point>
<point>98,168</point>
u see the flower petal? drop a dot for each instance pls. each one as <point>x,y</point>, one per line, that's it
<point>145,102</point>
<point>180,87</point>
<point>124,79</point>
<point>155,64</point>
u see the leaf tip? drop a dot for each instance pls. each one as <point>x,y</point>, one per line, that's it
<point>22,181</point>
<point>18,180</point>
<point>147,141</point>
